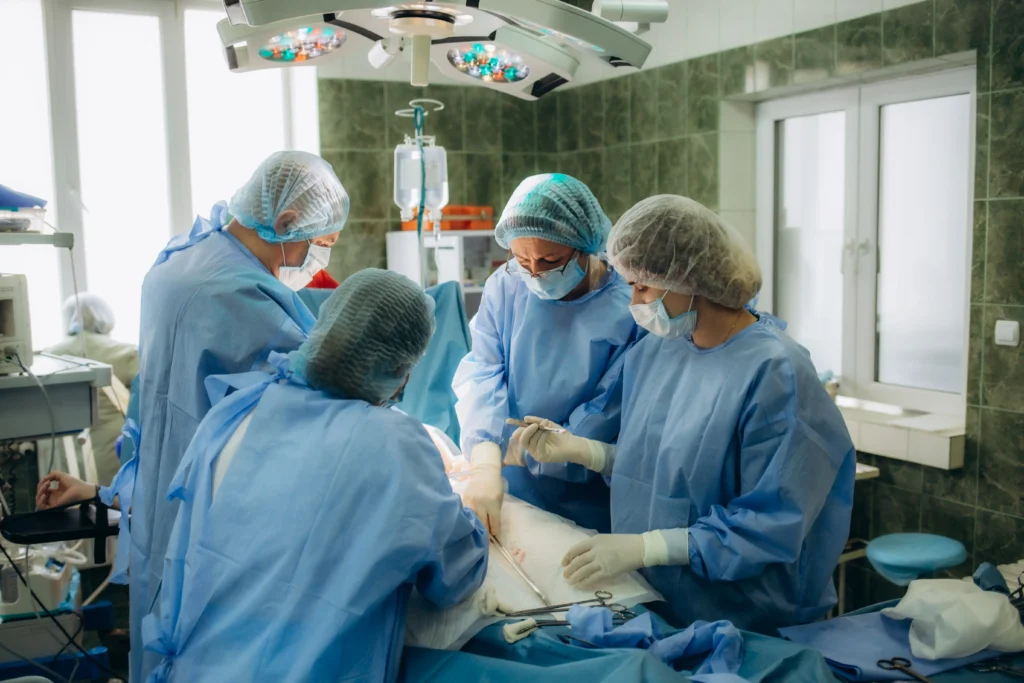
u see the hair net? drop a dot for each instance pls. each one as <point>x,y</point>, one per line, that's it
<point>675,243</point>
<point>371,332</point>
<point>299,181</point>
<point>557,208</point>
<point>97,315</point>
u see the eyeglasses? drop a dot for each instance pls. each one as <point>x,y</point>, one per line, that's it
<point>573,256</point>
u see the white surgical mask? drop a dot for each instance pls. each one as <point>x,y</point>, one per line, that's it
<point>297,277</point>
<point>654,318</point>
<point>553,284</point>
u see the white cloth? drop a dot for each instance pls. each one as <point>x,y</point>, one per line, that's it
<point>539,540</point>
<point>954,619</point>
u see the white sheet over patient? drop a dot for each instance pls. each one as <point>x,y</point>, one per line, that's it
<point>539,540</point>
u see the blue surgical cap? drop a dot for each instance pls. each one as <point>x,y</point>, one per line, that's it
<point>97,315</point>
<point>371,332</point>
<point>557,208</point>
<point>299,181</point>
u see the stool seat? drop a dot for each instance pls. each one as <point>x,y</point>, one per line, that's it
<point>901,558</point>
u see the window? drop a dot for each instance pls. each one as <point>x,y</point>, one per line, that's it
<point>137,162</point>
<point>864,233</point>
<point>25,163</point>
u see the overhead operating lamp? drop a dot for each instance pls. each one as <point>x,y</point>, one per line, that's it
<point>525,48</point>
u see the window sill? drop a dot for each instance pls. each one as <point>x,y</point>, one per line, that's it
<point>927,439</point>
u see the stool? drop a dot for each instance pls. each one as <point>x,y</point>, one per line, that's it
<point>901,558</point>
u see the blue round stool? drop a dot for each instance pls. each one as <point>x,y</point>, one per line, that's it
<point>901,558</point>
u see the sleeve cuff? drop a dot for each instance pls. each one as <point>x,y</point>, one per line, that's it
<point>485,455</point>
<point>667,547</point>
<point>602,455</point>
<point>106,495</point>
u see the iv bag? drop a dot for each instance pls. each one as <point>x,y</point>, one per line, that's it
<point>409,179</point>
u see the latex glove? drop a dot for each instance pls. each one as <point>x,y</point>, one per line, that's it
<point>601,558</point>
<point>68,490</point>
<point>514,451</point>
<point>486,490</point>
<point>561,446</point>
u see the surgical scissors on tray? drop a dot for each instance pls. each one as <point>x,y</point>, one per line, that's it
<point>997,665</point>
<point>600,599</point>
<point>902,664</point>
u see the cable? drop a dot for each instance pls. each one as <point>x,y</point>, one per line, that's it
<point>49,409</point>
<point>60,626</point>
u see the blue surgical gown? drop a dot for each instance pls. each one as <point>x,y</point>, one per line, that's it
<point>561,360</point>
<point>741,444</point>
<point>299,569</point>
<point>210,308</point>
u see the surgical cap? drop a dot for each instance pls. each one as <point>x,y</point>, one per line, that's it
<point>299,181</point>
<point>371,332</point>
<point>557,208</point>
<point>675,243</point>
<point>97,314</point>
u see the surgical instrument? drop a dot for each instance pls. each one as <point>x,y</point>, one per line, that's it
<point>518,630</point>
<point>519,569</point>
<point>520,423</point>
<point>997,665</point>
<point>600,599</point>
<point>902,664</point>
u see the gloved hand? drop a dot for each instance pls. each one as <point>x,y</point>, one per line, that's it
<point>558,446</point>
<point>486,490</point>
<point>603,557</point>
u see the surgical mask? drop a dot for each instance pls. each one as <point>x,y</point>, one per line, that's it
<point>555,284</point>
<point>654,318</point>
<point>297,277</point>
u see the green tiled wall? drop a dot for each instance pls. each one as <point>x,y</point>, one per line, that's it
<point>656,131</point>
<point>491,140</point>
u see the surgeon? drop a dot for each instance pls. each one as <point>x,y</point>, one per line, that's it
<point>89,321</point>
<point>217,301</point>
<point>732,480</point>
<point>309,510</point>
<point>548,340</point>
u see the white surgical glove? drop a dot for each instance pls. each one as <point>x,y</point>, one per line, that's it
<point>601,558</point>
<point>559,446</point>
<point>486,490</point>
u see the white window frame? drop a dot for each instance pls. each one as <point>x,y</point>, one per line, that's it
<point>63,115</point>
<point>859,263</point>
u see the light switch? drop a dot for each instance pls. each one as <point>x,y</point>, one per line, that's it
<point>1007,333</point>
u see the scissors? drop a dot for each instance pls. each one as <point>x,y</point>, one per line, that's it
<point>994,665</point>
<point>902,664</point>
<point>601,599</point>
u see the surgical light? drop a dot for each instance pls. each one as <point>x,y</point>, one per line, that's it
<point>531,47</point>
<point>281,43</point>
<point>308,42</point>
<point>489,63</point>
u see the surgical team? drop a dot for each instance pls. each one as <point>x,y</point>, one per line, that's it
<point>660,409</point>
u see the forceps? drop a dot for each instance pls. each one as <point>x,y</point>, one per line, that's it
<point>902,664</point>
<point>600,599</point>
<point>997,665</point>
<point>519,570</point>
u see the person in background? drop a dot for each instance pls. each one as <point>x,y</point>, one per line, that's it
<point>89,337</point>
<point>548,340</point>
<point>218,301</point>
<point>732,480</point>
<point>368,514</point>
